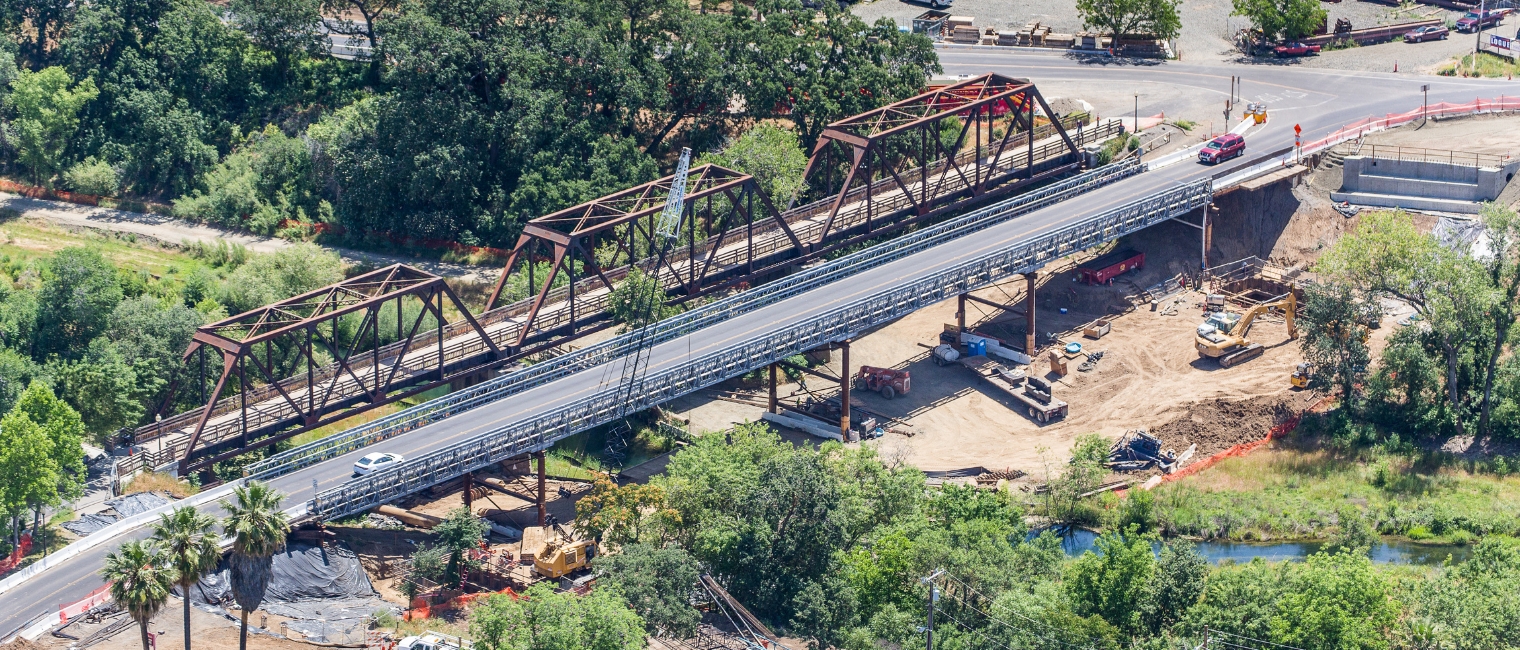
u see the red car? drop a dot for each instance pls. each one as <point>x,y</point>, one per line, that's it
<point>1296,49</point>
<point>1427,33</point>
<point>1475,21</point>
<point>1222,148</point>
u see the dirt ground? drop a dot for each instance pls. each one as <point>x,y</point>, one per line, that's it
<point>208,631</point>
<point>1150,376</point>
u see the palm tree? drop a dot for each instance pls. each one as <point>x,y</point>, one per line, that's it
<point>190,544</point>
<point>257,527</point>
<point>140,578</point>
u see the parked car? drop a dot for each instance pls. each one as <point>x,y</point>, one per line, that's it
<point>1222,148</point>
<point>375,462</point>
<point>1296,49</point>
<point>1475,20</point>
<point>1427,33</point>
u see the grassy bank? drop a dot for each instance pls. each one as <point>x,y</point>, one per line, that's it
<point>1304,494</point>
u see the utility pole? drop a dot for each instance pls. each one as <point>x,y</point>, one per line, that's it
<point>1478,37</point>
<point>933,596</point>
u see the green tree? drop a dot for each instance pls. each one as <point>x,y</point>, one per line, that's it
<point>266,181</point>
<point>1117,18</point>
<point>257,527</point>
<point>1501,265</point>
<point>769,153</point>
<point>547,620</point>
<point>460,532</point>
<point>617,514</point>
<point>1477,602</point>
<point>65,433</point>
<point>657,583</point>
<point>1282,20</point>
<point>1336,602</point>
<point>272,277</point>
<point>79,291</point>
<point>1112,582</point>
<point>140,578</point>
<point>1063,501</point>
<point>639,301</point>
<point>104,389</point>
<point>29,475</point>
<point>1334,326</point>
<point>1387,256</point>
<point>1355,536</point>
<point>17,372</point>
<point>284,27</point>
<point>1179,582</point>
<point>1240,598</point>
<point>47,105</point>
<point>427,563</point>
<point>825,65</point>
<point>190,547</point>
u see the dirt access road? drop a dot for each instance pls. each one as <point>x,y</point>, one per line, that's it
<point>177,231</point>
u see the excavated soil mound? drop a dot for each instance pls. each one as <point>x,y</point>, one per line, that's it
<point>1218,424</point>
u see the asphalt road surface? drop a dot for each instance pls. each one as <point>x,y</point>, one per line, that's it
<point>1319,100</point>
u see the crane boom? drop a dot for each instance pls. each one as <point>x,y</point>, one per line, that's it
<point>669,224</point>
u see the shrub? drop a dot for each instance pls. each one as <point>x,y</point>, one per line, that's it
<point>93,176</point>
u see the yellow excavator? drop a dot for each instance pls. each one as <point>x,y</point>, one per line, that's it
<point>1222,335</point>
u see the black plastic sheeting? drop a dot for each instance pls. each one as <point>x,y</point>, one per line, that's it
<point>87,524</point>
<point>323,586</point>
<point>138,503</point>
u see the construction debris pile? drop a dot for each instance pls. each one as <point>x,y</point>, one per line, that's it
<point>1137,450</point>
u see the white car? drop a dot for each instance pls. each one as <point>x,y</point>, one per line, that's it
<point>376,462</point>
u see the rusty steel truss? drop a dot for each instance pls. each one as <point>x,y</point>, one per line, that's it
<point>869,175</point>
<point>896,160</point>
<point>608,237</point>
<point>290,335</point>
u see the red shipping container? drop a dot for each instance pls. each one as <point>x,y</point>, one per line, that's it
<point>1104,269</point>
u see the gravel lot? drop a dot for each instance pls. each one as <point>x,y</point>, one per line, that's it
<point>1207,29</point>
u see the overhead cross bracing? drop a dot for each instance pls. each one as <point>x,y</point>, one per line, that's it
<point>265,344</point>
<point>732,236</point>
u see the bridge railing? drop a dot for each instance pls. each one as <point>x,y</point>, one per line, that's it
<point>682,324</point>
<point>541,430</point>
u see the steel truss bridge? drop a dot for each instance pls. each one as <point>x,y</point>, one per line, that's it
<point>370,340</point>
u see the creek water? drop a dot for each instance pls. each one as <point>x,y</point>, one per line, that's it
<point>1078,541</point>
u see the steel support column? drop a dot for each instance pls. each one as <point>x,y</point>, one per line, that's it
<point>844,389</point>
<point>771,403</point>
<point>1029,307</point>
<point>543,508</point>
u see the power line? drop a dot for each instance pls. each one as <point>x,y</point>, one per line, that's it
<point>1253,640</point>
<point>973,630</point>
<point>1015,613</point>
<point>1007,624</point>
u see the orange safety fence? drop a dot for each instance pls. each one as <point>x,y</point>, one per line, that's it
<point>422,609</point>
<point>1244,448</point>
<point>1441,109</point>
<point>34,192</point>
<point>97,597</point>
<point>14,558</point>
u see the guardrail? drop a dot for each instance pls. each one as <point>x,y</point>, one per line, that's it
<point>1420,154</point>
<point>266,409</point>
<point>539,431</point>
<point>674,327</point>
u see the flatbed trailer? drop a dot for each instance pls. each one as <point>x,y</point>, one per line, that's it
<point>1038,401</point>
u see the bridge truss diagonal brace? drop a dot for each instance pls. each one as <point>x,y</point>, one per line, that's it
<point>591,247</point>
<point>901,150</point>
<point>259,346</point>
<point>839,324</point>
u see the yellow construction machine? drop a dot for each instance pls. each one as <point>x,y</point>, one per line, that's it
<point>1301,375</point>
<point>1222,335</point>
<point>563,554</point>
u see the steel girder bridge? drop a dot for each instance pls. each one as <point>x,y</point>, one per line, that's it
<point>868,176</point>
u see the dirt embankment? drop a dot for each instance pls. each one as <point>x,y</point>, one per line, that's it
<point>1218,424</point>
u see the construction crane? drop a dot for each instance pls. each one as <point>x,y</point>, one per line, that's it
<point>667,230</point>
<point>1222,335</point>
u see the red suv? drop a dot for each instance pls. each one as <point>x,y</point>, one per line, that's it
<point>1222,148</point>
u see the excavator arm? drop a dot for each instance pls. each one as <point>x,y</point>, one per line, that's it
<point>1288,304</point>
